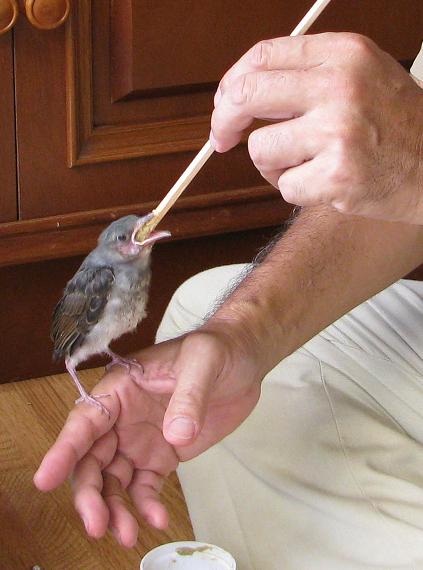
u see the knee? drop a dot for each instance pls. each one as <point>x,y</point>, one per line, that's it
<point>194,299</point>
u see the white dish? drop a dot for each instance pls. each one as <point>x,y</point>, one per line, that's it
<point>188,555</point>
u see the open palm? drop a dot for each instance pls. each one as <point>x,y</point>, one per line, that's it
<point>135,449</point>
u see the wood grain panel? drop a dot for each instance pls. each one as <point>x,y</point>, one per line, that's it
<point>44,529</point>
<point>395,26</point>
<point>49,188</point>
<point>8,188</point>
<point>157,64</point>
<point>176,47</point>
<point>91,140</point>
<point>196,42</point>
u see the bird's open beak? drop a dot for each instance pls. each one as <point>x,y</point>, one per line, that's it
<point>151,238</point>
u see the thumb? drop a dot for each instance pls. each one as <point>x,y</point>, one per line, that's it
<point>197,368</point>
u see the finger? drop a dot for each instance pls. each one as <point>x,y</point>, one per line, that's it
<point>284,145</point>
<point>122,523</point>
<point>196,372</point>
<point>157,377</point>
<point>272,176</point>
<point>308,184</point>
<point>261,95</point>
<point>84,426</point>
<point>121,468</point>
<point>144,492</point>
<point>87,483</point>
<point>300,53</point>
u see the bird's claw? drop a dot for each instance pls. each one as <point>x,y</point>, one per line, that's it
<point>93,401</point>
<point>126,362</point>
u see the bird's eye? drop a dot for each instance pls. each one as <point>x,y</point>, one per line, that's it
<point>121,237</point>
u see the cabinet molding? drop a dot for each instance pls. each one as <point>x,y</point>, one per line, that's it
<point>75,234</point>
<point>88,143</point>
<point>91,143</point>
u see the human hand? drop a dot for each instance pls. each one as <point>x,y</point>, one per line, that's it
<point>204,377</point>
<point>346,124</point>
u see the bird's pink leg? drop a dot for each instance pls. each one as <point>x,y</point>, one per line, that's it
<point>127,362</point>
<point>85,397</point>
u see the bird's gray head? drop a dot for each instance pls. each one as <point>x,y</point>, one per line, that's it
<point>117,241</point>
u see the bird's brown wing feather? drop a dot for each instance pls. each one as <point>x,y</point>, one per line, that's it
<point>80,308</point>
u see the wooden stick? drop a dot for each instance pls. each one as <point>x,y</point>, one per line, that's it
<point>207,150</point>
<point>310,17</point>
<point>183,181</point>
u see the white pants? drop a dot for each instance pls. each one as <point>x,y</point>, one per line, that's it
<point>327,472</point>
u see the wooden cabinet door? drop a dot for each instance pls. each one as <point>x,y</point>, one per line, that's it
<point>109,114</point>
<point>113,106</point>
<point>8,190</point>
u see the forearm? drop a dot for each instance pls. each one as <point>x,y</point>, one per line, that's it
<point>323,266</point>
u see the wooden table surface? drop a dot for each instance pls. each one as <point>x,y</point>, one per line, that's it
<point>43,529</point>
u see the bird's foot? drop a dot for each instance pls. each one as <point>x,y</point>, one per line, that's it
<point>94,401</point>
<point>126,362</point>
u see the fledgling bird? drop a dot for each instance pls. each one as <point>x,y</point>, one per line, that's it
<point>105,299</point>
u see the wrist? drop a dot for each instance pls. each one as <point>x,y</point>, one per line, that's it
<point>241,337</point>
<point>250,320</point>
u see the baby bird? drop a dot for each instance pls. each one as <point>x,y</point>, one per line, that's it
<point>105,299</point>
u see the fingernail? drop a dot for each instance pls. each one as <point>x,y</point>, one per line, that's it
<point>184,428</point>
<point>212,140</point>
<point>86,524</point>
